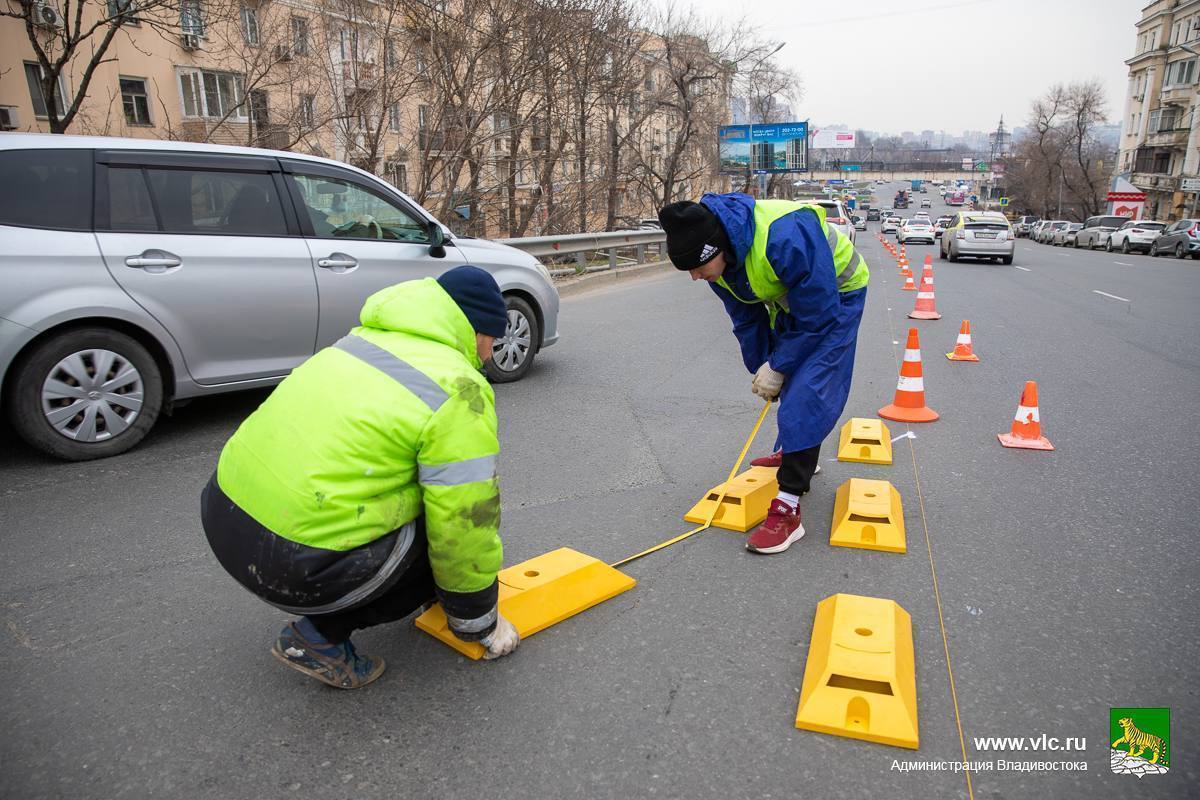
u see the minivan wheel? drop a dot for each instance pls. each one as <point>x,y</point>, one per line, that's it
<point>513,353</point>
<point>1179,251</point>
<point>85,393</point>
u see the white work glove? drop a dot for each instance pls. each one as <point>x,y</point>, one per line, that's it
<point>767,382</point>
<point>501,641</point>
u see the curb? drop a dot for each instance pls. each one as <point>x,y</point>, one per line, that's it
<point>583,283</point>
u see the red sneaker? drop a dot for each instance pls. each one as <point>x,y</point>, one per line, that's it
<point>773,460</point>
<point>776,534</point>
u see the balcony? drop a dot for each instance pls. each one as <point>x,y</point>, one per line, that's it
<point>1180,94</point>
<point>1175,138</point>
<point>1155,181</point>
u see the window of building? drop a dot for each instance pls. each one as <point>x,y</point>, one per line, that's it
<point>348,44</point>
<point>300,36</point>
<point>210,201</point>
<point>394,117</point>
<point>259,111</point>
<point>250,25</point>
<point>1164,119</point>
<point>123,9</point>
<point>308,110</point>
<point>191,17</point>
<point>212,94</point>
<point>1181,73</point>
<point>135,101</point>
<point>33,76</point>
<point>390,58</point>
<point>397,173</point>
<point>55,189</point>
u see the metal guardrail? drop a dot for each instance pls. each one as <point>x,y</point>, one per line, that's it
<point>580,244</point>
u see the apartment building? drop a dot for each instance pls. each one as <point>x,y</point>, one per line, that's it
<point>369,82</point>
<point>1160,143</point>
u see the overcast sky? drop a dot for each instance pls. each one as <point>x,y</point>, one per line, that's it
<point>948,65</point>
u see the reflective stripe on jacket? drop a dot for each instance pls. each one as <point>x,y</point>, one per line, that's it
<point>391,422</point>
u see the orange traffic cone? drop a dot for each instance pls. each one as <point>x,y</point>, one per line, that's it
<point>908,286</point>
<point>904,270</point>
<point>1027,423</point>
<point>962,348</point>
<point>909,404</point>
<point>926,306</point>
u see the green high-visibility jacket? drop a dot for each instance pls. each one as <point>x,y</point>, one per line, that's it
<point>391,422</point>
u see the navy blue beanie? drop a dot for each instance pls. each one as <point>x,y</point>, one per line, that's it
<point>479,297</point>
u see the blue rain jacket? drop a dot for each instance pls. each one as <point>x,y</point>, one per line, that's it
<point>813,342</point>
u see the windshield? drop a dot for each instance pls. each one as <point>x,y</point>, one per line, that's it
<point>1148,226</point>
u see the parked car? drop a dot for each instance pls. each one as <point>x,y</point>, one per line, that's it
<point>873,215</point>
<point>1179,239</point>
<point>1045,233</point>
<point>939,225</point>
<point>983,234</point>
<point>890,225</point>
<point>1096,230</point>
<point>1137,234</point>
<point>1024,225</point>
<point>837,215</point>
<point>1066,236</point>
<point>860,223</point>
<point>173,270</point>
<point>916,230</point>
<point>649,224</point>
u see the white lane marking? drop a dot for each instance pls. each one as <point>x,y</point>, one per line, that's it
<point>908,435</point>
<point>1113,296</point>
<point>1024,269</point>
<point>1123,264</point>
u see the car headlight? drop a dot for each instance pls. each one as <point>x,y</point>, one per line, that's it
<point>541,268</point>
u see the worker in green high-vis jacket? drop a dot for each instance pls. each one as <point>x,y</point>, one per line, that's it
<point>365,486</point>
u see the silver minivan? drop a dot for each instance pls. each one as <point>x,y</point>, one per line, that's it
<point>137,273</point>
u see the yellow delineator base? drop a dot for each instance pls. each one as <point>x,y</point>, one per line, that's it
<point>865,441</point>
<point>868,514</point>
<point>860,680</point>
<point>538,593</point>
<point>747,500</point>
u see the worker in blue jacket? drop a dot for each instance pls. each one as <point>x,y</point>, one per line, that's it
<point>794,287</point>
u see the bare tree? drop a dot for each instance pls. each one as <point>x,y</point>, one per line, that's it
<point>79,37</point>
<point>1057,168</point>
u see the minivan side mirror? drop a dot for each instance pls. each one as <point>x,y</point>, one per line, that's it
<point>437,239</point>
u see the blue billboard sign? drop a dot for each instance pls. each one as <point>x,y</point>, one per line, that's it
<point>763,149</point>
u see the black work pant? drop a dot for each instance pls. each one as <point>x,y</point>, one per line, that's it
<point>412,590</point>
<point>795,474</point>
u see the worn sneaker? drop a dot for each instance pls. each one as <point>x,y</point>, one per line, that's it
<point>776,534</point>
<point>774,460</point>
<point>335,664</point>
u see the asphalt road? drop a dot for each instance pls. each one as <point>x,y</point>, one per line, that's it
<point>134,667</point>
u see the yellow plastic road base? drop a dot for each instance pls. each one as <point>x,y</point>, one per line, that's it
<point>860,680</point>
<point>746,502</point>
<point>868,514</point>
<point>865,441</point>
<point>539,593</point>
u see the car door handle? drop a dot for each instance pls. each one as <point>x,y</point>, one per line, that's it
<point>338,262</point>
<point>154,261</point>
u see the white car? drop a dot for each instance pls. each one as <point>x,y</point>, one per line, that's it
<point>939,225</point>
<point>860,223</point>
<point>916,230</point>
<point>926,202</point>
<point>1137,234</point>
<point>890,225</point>
<point>837,216</point>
